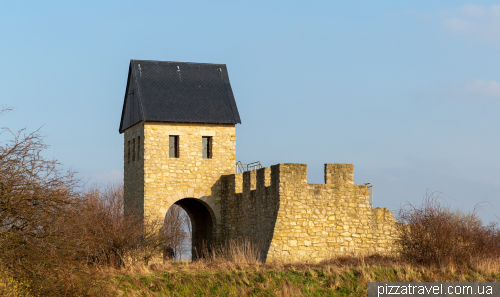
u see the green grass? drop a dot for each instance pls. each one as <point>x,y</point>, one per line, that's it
<point>269,281</point>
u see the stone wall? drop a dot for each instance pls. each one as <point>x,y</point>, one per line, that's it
<point>250,205</point>
<point>133,176</point>
<point>154,181</point>
<point>290,219</point>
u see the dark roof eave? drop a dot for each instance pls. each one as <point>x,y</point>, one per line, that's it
<point>181,122</point>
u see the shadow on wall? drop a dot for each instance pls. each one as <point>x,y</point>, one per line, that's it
<point>249,211</point>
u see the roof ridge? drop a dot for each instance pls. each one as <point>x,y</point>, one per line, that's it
<point>176,62</point>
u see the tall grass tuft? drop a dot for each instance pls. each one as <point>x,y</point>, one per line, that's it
<point>234,254</point>
<point>240,252</point>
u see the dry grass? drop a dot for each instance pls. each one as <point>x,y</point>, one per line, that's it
<point>342,276</point>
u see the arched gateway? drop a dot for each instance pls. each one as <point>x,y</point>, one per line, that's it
<point>178,121</point>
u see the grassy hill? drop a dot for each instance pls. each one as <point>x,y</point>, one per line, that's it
<point>343,276</point>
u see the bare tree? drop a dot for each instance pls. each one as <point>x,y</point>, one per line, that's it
<point>34,193</point>
<point>35,196</point>
<point>188,227</point>
<point>177,231</point>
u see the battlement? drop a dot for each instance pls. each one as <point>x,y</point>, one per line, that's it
<point>336,175</point>
<point>339,173</point>
<point>276,208</point>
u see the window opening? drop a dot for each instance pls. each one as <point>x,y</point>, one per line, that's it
<point>206,147</point>
<point>173,146</point>
<point>128,152</point>
<point>133,149</point>
<point>138,147</point>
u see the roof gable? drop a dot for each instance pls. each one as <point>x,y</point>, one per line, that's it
<point>178,92</point>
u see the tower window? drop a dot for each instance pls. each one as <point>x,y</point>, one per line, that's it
<point>173,146</point>
<point>133,149</point>
<point>138,147</point>
<point>206,149</point>
<point>128,152</point>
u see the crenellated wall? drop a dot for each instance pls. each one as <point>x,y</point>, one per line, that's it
<point>276,208</point>
<point>249,207</point>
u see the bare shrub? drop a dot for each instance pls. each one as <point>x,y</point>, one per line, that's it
<point>433,234</point>
<point>50,230</point>
<point>101,233</point>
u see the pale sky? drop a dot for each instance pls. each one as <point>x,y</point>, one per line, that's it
<point>407,91</point>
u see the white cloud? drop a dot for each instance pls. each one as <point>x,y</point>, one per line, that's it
<point>105,177</point>
<point>476,89</point>
<point>488,89</point>
<point>477,22</point>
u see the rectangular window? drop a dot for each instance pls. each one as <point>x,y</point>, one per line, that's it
<point>128,152</point>
<point>206,147</point>
<point>138,147</point>
<point>173,146</point>
<point>133,149</point>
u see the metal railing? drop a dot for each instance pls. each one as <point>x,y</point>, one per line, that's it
<point>240,167</point>
<point>370,192</point>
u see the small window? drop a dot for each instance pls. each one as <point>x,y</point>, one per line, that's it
<point>173,146</point>
<point>128,152</point>
<point>133,149</point>
<point>206,145</point>
<point>138,147</point>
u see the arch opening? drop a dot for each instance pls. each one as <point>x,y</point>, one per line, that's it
<point>200,227</point>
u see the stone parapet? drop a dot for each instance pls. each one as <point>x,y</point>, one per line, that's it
<point>289,218</point>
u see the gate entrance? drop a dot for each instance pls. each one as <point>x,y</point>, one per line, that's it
<point>203,225</point>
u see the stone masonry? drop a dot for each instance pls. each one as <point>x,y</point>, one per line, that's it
<point>276,209</point>
<point>153,181</point>
<point>273,207</point>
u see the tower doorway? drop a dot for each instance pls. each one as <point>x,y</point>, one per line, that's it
<point>189,228</point>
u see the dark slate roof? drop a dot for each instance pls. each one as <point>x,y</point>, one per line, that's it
<point>178,92</point>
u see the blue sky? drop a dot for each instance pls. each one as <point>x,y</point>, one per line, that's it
<point>407,91</point>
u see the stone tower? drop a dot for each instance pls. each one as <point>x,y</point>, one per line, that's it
<point>178,121</point>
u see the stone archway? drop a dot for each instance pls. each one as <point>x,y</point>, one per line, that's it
<point>203,223</point>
